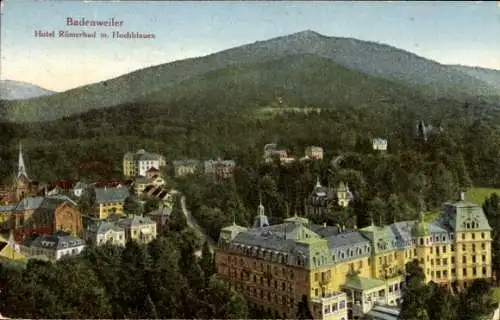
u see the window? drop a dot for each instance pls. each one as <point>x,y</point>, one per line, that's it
<point>342,305</point>
<point>463,236</point>
<point>482,235</point>
<point>473,236</point>
<point>464,259</point>
<point>484,258</point>
<point>484,271</point>
<point>473,259</point>
<point>473,247</point>
<point>444,249</point>
<point>474,272</point>
<point>483,246</point>
<point>464,272</point>
<point>464,247</point>
<point>452,260</point>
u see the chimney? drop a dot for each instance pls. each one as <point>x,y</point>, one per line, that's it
<point>462,196</point>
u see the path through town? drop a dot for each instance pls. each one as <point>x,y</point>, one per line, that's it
<point>192,223</point>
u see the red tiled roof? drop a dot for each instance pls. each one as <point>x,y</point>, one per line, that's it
<point>63,184</point>
<point>112,184</point>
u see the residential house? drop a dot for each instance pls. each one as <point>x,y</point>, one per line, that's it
<point>54,246</point>
<point>345,272</point>
<point>102,232</point>
<point>220,169</point>
<point>322,199</point>
<point>161,216</point>
<point>138,228</point>
<point>379,144</point>
<point>109,201</point>
<point>137,164</point>
<point>46,215</point>
<point>140,183</point>
<point>314,152</point>
<point>269,149</point>
<point>424,131</point>
<point>186,167</point>
<point>6,216</point>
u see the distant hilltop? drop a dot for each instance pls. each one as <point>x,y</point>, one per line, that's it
<point>17,90</point>
<point>345,70</point>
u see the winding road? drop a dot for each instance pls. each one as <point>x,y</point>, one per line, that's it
<point>193,224</point>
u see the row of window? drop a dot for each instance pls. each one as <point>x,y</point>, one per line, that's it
<point>335,307</point>
<point>473,235</point>
<point>444,273</point>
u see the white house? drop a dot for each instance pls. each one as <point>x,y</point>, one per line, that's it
<point>55,246</point>
<point>103,232</point>
<point>379,144</point>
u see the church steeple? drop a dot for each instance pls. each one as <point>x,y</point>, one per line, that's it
<point>318,183</point>
<point>261,219</point>
<point>21,167</point>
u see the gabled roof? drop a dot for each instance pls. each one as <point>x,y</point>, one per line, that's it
<point>56,241</point>
<point>105,195</point>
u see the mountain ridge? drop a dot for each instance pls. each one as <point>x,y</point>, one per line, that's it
<point>378,60</point>
<point>20,90</point>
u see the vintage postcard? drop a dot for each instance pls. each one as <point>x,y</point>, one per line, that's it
<point>330,160</point>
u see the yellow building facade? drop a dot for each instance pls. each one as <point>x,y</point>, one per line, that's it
<point>344,273</point>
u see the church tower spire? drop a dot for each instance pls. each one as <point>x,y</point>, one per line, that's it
<point>261,219</point>
<point>21,167</point>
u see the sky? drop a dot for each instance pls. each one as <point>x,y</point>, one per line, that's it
<point>463,32</point>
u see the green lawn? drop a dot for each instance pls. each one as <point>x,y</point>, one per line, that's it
<point>478,195</point>
<point>496,294</point>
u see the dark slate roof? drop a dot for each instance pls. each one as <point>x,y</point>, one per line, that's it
<point>105,195</point>
<point>135,221</point>
<point>101,227</point>
<point>29,203</point>
<point>7,208</point>
<point>268,241</point>
<point>347,238</point>
<point>56,242</point>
